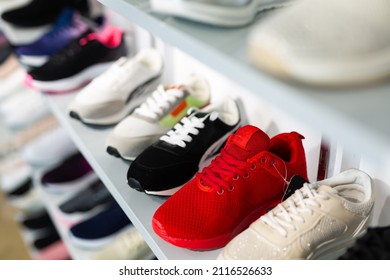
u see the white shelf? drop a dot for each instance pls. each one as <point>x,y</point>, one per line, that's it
<point>138,206</point>
<point>356,117</point>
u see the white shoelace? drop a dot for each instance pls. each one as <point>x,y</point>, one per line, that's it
<point>179,135</point>
<point>284,215</point>
<point>159,102</point>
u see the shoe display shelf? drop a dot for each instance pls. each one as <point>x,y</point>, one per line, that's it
<point>357,117</point>
<point>51,201</point>
<point>138,206</point>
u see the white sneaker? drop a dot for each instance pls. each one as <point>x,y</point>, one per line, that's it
<point>227,13</point>
<point>329,42</point>
<point>12,83</point>
<point>115,93</point>
<point>128,245</point>
<point>49,149</point>
<point>316,221</point>
<point>156,116</point>
<point>22,110</point>
<point>14,172</point>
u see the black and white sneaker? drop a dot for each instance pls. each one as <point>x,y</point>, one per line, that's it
<point>81,61</point>
<point>173,160</point>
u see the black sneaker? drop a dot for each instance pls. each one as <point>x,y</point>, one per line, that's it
<point>46,240</point>
<point>38,220</point>
<point>173,160</point>
<point>374,245</point>
<point>93,196</point>
<point>42,12</point>
<point>22,189</point>
<point>82,60</point>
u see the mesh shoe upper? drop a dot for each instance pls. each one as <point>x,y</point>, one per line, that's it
<point>240,185</point>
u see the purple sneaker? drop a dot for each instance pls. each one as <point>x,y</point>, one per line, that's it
<point>67,27</point>
<point>73,174</point>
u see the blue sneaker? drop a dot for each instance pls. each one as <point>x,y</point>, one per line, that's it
<point>67,27</point>
<point>101,229</point>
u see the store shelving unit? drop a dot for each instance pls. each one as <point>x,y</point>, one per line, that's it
<point>357,117</point>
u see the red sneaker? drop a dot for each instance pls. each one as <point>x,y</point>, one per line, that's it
<point>247,179</point>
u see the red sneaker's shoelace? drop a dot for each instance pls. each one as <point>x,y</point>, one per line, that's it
<point>213,177</point>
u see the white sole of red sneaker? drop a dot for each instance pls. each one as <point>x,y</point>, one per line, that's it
<point>216,14</point>
<point>72,83</point>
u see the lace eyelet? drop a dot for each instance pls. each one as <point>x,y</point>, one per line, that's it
<point>273,162</point>
<point>220,192</point>
<point>231,188</point>
<point>236,177</point>
<point>263,160</point>
<point>253,166</point>
<point>246,176</point>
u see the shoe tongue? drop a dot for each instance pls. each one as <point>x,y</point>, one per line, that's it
<point>327,189</point>
<point>247,142</point>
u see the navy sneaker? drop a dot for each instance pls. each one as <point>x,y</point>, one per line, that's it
<point>73,174</point>
<point>67,27</point>
<point>81,61</point>
<point>101,229</point>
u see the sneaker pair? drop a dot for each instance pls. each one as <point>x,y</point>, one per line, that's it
<point>248,178</point>
<point>317,221</point>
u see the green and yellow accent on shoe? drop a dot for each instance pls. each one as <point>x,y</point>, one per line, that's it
<point>181,110</point>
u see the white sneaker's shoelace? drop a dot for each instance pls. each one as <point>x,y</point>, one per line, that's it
<point>179,135</point>
<point>159,102</point>
<point>283,216</point>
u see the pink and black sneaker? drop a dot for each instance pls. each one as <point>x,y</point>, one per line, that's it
<point>81,61</point>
